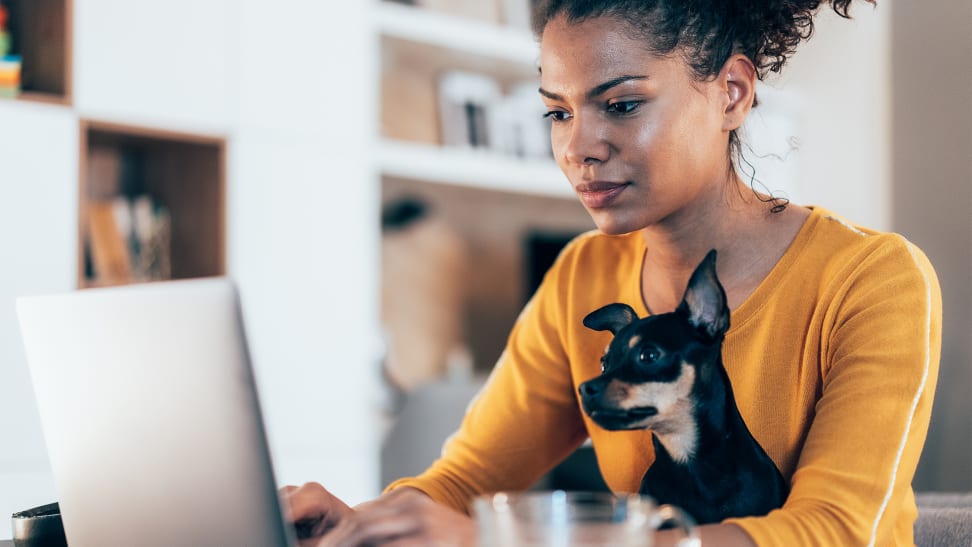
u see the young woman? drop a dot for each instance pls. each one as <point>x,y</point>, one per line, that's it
<point>835,329</point>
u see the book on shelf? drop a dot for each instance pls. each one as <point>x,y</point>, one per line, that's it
<point>476,112</point>
<point>110,258</point>
<point>129,241</point>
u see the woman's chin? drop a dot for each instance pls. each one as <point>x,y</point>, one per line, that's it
<point>611,225</point>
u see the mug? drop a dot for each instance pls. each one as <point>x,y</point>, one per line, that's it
<point>570,519</point>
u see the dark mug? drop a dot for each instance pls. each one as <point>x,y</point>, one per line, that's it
<point>39,527</point>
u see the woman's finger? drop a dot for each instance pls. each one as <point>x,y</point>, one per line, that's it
<point>376,525</point>
<point>311,501</point>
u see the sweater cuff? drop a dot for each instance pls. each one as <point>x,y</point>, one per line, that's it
<point>431,489</point>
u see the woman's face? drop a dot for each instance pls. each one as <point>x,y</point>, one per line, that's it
<point>640,139</point>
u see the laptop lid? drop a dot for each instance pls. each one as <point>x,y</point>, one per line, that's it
<point>150,413</point>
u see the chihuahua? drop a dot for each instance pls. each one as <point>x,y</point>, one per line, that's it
<point>665,373</point>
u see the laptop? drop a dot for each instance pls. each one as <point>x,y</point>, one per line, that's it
<point>151,418</point>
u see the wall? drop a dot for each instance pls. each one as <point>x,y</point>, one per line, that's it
<point>37,250</point>
<point>931,198</point>
<point>838,81</point>
<point>291,89</point>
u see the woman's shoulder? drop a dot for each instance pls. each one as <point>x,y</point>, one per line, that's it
<point>843,247</point>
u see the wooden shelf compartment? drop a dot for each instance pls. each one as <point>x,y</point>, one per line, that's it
<point>42,36</point>
<point>184,173</point>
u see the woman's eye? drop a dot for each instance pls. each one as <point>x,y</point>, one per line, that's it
<point>623,107</point>
<point>556,115</point>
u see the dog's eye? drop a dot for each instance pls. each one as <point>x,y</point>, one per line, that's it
<point>603,366</point>
<point>649,355</point>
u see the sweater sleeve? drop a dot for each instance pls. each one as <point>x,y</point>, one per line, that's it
<point>879,366</point>
<point>524,420</point>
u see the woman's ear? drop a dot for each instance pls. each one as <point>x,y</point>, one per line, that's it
<point>739,79</point>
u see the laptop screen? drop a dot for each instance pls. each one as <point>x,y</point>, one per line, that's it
<point>151,417</point>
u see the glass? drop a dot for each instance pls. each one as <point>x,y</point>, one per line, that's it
<point>570,519</point>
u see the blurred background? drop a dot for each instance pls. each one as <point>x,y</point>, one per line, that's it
<point>377,179</point>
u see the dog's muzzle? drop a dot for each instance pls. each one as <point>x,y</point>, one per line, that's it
<point>605,413</point>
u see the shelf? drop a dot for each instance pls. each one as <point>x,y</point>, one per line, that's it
<point>472,168</point>
<point>458,34</point>
<point>41,31</point>
<point>184,174</point>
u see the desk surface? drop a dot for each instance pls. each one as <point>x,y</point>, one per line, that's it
<point>6,543</point>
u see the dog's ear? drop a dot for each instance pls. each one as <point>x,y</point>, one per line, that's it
<point>612,317</point>
<point>704,304</point>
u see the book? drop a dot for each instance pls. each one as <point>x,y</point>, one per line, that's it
<point>110,255</point>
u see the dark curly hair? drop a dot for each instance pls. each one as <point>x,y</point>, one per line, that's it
<point>706,32</point>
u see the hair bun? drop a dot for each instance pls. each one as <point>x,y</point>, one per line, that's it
<point>709,31</point>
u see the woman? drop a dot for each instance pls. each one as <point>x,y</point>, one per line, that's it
<point>835,330</point>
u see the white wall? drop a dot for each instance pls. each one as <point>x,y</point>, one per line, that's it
<point>168,64</point>
<point>837,87</point>
<point>38,222</point>
<point>293,90</point>
<point>304,243</point>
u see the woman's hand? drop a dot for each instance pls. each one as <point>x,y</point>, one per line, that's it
<point>313,510</point>
<point>400,518</point>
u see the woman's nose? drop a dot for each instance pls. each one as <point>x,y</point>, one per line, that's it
<point>585,143</point>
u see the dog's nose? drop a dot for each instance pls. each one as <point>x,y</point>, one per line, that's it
<point>589,389</point>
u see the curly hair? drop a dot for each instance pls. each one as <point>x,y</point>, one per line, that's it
<point>707,32</point>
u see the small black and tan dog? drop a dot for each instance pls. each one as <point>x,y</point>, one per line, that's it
<point>665,373</point>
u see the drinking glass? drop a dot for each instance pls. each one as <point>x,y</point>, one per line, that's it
<point>571,519</point>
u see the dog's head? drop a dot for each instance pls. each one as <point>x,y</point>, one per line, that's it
<point>654,367</point>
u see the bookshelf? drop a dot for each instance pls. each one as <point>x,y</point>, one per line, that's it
<point>496,202</point>
<point>442,40</point>
<point>42,36</point>
<point>184,174</point>
<point>421,44</point>
<point>472,168</point>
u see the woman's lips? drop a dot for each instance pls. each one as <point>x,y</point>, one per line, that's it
<point>598,194</point>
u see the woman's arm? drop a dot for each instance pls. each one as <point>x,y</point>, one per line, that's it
<point>879,361</point>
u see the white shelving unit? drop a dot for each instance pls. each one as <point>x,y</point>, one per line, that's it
<point>457,34</point>
<point>472,168</point>
<point>439,42</point>
<point>499,204</point>
<point>273,85</point>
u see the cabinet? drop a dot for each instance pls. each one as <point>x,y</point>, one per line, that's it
<point>182,177</point>
<point>41,33</point>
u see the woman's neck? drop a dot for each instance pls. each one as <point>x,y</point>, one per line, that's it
<point>749,237</point>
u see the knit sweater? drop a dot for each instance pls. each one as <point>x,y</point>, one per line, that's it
<point>833,361</point>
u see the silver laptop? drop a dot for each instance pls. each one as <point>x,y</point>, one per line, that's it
<point>149,410</point>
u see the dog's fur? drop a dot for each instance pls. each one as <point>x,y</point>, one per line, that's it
<point>665,373</point>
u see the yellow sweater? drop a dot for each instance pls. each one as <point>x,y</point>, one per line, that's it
<point>833,361</point>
